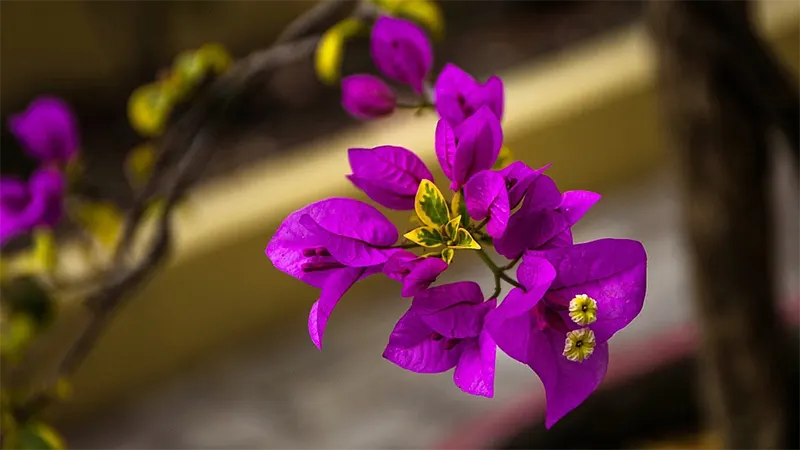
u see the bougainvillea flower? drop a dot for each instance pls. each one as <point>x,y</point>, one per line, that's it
<point>389,175</point>
<point>47,130</point>
<point>468,148</point>
<point>402,51</point>
<point>575,299</point>
<point>331,244</point>
<point>366,97</point>
<point>544,218</point>
<point>444,329</point>
<point>486,196</point>
<point>518,178</point>
<point>415,272</point>
<point>25,206</point>
<point>459,96</point>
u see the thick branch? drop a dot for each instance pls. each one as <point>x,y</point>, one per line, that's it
<point>718,107</point>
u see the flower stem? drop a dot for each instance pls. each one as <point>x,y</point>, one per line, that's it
<point>511,265</point>
<point>499,273</point>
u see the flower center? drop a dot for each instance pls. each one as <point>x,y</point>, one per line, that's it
<point>583,310</point>
<point>579,345</point>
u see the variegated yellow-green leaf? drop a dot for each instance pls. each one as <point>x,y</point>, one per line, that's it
<point>44,252</point>
<point>430,205</point>
<point>102,220</point>
<point>464,240</point>
<point>37,435</point>
<point>139,163</point>
<point>149,107</point>
<point>330,49</point>
<point>424,12</point>
<point>425,236</point>
<point>451,228</point>
<point>504,159</point>
<point>459,208</point>
<point>447,255</point>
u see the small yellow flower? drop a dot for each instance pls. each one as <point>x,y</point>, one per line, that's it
<point>583,310</point>
<point>579,345</point>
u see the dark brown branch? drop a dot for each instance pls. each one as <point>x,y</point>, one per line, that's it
<point>718,107</point>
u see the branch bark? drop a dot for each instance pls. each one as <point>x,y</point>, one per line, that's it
<point>720,95</point>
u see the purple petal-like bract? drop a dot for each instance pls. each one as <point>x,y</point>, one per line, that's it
<point>469,148</point>
<point>402,51</point>
<point>518,178</point>
<point>611,271</point>
<point>543,217</point>
<point>47,130</point>
<point>331,244</point>
<point>389,175</point>
<point>444,329</point>
<point>367,97</point>
<point>485,196</point>
<point>37,203</point>
<point>531,325</point>
<point>416,273</point>
<point>459,96</point>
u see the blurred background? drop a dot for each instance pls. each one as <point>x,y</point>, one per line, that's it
<point>214,352</point>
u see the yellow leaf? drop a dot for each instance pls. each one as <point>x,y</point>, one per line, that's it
<point>102,220</point>
<point>149,107</point>
<point>330,49</point>
<point>215,57</point>
<point>425,236</point>
<point>424,12</point>
<point>139,163</point>
<point>447,255</point>
<point>430,205</point>
<point>18,332</point>
<point>504,159</point>
<point>464,240</point>
<point>44,253</point>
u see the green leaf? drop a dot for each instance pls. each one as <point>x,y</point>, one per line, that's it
<point>430,205</point>
<point>464,240</point>
<point>36,435</point>
<point>25,295</point>
<point>425,236</point>
<point>451,228</point>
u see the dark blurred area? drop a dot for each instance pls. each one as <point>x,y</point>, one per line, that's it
<point>483,37</point>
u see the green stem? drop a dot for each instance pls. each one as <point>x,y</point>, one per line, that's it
<point>511,265</point>
<point>499,273</point>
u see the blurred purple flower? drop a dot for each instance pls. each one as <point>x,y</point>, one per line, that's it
<point>575,299</point>
<point>28,205</point>
<point>469,148</point>
<point>330,245</point>
<point>459,96</point>
<point>415,272</point>
<point>401,51</point>
<point>389,175</point>
<point>367,97</point>
<point>444,329</point>
<point>47,130</point>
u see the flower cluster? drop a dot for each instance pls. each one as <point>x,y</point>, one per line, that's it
<point>567,300</point>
